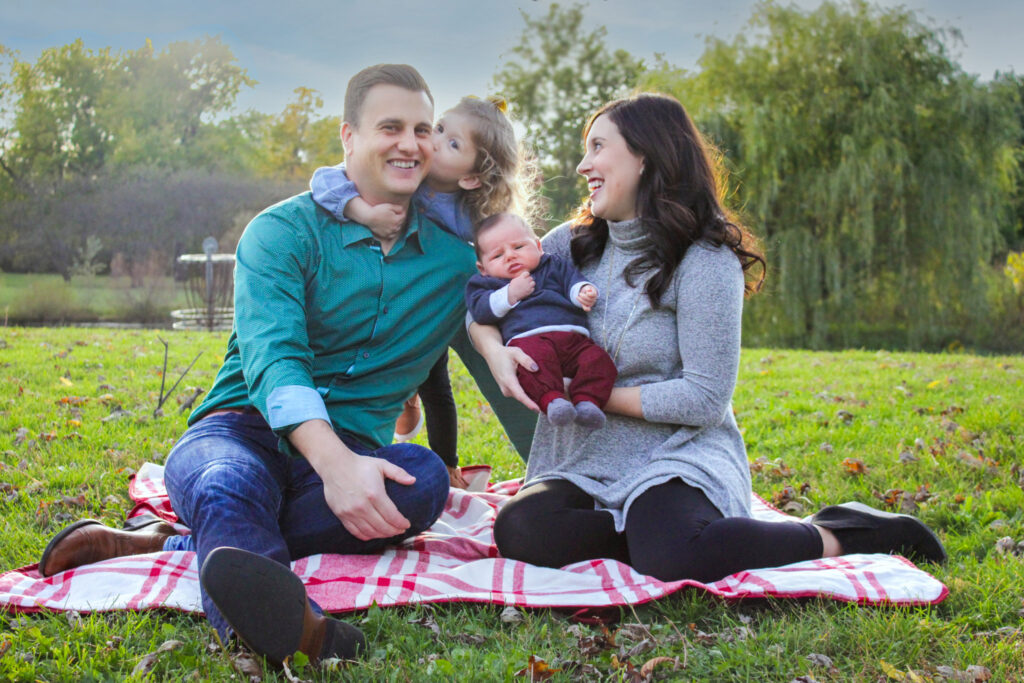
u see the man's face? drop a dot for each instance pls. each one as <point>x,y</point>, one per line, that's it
<point>388,154</point>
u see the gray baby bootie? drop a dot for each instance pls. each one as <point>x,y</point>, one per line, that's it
<point>561,412</point>
<point>588,415</point>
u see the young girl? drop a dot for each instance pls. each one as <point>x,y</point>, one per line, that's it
<point>478,170</point>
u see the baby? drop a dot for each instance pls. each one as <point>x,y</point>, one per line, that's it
<point>539,302</point>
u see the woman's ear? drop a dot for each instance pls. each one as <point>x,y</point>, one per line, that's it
<point>469,182</point>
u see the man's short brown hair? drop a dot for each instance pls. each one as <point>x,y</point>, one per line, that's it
<point>402,75</point>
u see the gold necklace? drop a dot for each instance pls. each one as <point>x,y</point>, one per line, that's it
<point>607,304</point>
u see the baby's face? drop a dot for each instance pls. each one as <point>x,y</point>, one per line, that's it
<point>454,153</point>
<point>507,249</point>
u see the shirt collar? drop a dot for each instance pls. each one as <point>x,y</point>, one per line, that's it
<point>352,232</point>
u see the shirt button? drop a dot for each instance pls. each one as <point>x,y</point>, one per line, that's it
<point>366,355</point>
<point>385,310</point>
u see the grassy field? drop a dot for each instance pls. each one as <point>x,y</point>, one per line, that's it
<point>939,434</point>
<point>46,298</point>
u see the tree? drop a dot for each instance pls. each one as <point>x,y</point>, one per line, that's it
<point>294,143</point>
<point>557,77</point>
<point>879,173</point>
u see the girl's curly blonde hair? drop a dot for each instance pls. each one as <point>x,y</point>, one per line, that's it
<point>507,173</point>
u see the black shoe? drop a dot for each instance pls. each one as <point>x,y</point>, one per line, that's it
<point>863,529</point>
<point>266,606</point>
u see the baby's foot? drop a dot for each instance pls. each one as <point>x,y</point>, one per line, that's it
<point>589,415</point>
<point>561,412</point>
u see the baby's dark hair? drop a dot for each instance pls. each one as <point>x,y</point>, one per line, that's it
<point>505,170</point>
<point>491,221</point>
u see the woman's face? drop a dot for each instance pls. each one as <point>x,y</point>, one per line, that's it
<point>612,171</point>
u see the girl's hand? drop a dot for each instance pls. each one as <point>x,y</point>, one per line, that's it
<point>455,478</point>
<point>587,297</point>
<point>385,221</point>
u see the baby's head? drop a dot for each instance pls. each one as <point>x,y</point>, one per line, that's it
<point>475,151</point>
<point>506,246</point>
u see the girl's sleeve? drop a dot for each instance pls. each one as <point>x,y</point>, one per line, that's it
<point>332,189</point>
<point>709,309</point>
<point>445,209</point>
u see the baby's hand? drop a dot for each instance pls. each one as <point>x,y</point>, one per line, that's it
<point>384,220</point>
<point>520,287</point>
<point>587,297</point>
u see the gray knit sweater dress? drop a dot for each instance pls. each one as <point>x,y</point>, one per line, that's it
<point>684,356</point>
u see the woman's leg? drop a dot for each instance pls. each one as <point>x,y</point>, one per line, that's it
<point>674,532</point>
<point>553,524</point>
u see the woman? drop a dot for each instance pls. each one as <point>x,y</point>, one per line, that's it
<point>665,486</point>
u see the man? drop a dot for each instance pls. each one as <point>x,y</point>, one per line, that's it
<point>335,327</point>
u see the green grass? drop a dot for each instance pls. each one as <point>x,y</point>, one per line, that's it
<point>959,417</point>
<point>46,298</point>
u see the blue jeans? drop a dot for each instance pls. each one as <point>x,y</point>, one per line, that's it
<point>229,483</point>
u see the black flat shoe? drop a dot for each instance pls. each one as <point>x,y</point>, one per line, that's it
<point>265,604</point>
<point>860,528</point>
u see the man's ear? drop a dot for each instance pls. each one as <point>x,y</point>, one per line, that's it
<point>469,182</point>
<point>347,129</point>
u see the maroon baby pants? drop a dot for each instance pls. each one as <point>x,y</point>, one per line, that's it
<point>566,354</point>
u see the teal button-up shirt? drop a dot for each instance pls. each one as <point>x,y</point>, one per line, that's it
<point>327,326</point>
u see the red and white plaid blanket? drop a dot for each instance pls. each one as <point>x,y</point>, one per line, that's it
<point>455,560</point>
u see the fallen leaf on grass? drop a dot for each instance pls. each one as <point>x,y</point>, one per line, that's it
<point>510,615</point>
<point>289,676</point>
<point>74,619</point>
<point>66,382</point>
<point>824,661</point>
<point>145,664</point>
<point>247,666</point>
<point>907,457</point>
<point>427,622</point>
<point>854,466</point>
<point>5,646</point>
<point>470,638</point>
<point>537,670</point>
<point>170,646</point>
<point>974,674</point>
<point>647,670</point>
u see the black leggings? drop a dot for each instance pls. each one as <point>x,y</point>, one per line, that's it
<point>672,532</point>
<point>439,412</point>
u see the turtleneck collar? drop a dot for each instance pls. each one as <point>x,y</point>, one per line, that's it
<point>627,235</point>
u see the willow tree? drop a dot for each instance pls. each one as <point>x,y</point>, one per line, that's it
<point>878,172</point>
<point>555,78</point>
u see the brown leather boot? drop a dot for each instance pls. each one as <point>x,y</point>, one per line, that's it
<point>87,541</point>
<point>266,606</point>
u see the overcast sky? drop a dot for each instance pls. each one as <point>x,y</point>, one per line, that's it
<point>457,45</point>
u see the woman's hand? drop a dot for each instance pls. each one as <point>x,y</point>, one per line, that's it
<point>503,361</point>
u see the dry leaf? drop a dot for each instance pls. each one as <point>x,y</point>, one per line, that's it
<point>145,665</point>
<point>647,670</point>
<point>247,665</point>
<point>510,615</point>
<point>427,622</point>
<point>537,670</point>
<point>170,645</point>
<point>854,466</point>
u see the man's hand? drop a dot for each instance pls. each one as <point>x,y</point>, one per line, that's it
<point>384,220</point>
<point>353,484</point>
<point>520,287</point>
<point>357,497</point>
<point>587,297</point>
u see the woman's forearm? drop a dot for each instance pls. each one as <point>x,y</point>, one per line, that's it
<point>625,401</point>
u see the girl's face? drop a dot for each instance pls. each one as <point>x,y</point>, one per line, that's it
<point>612,171</point>
<point>454,164</point>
